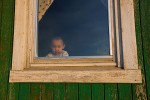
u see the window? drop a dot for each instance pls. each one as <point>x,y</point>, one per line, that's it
<point>102,46</point>
<point>83,26</point>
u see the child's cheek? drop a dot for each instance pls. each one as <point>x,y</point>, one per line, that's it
<point>53,50</point>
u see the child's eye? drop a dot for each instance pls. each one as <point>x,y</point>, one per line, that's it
<point>53,46</point>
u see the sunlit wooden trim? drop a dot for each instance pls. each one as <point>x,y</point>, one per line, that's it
<point>82,76</point>
<point>73,60</point>
<point>26,68</point>
<point>74,64</point>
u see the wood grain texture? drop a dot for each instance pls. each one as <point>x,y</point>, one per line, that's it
<point>92,76</point>
<point>145,24</point>
<point>31,29</point>
<point>35,91</point>
<point>6,34</point>
<point>98,92</point>
<point>20,35</point>
<point>59,91</point>
<point>118,41</point>
<point>111,28</point>
<point>13,92</point>
<point>111,92</point>
<point>47,91</point>
<point>24,40</point>
<point>139,90</point>
<point>85,91</point>
<point>1,6</point>
<point>72,91</point>
<point>24,91</point>
<point>128,34</point>
<point>79,65</point>
<point>73,59</point>
<point>24,30</point>
<point>128,91</point>
<point>124,92</point>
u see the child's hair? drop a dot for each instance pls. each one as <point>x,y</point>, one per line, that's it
<point>58,38</point>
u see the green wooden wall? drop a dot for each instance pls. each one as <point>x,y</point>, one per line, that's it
<point>74,91</point>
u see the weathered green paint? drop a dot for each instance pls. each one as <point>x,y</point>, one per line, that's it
<point>85,91</point>
<point>24,91</point>
<point>126,92</point>
<point>74,91</point>
<point>13,92</point>
<point>59,91</point>
<point>6,35</point>
<point>98,92</point>
<point>47,91</point>
<point>145,30</point>
<point>111,92</point>
<point>35,91</point>
<point>139,90</point>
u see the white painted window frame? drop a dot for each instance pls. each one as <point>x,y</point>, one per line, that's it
<point>120,67</point>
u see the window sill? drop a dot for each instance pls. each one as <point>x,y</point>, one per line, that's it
<point>95,75</point>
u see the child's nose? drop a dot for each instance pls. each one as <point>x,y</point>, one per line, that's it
<point>57,49</point>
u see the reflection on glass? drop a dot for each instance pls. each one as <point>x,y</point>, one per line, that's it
<point>74,28</point>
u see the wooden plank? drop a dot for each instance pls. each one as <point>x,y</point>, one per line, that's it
<point>124,92</point>
<point>6,40</point>
<point>139,90</point>
<point>47,91</point>
<point>6,31</point>
<point>93,76</point>
<point>111,28</point>
<point>31,28</point>
<point>85,91</point>
<point>2,91</point>
<point>24,91</point>
<point>113,64</point>
<point>72,91</point>
<point>111,92</point>
<point>117,35</point>
<point>128,34</point>
<point>73,62</point>
<point>59,91</point>
<point>35,91</point>
<point>74,68</point>
<point>1,7</point>
<point>145,20</point>
<point>79,59</point>
<point>98,92</point>
<point>20,35</point>
<point>13,92</point>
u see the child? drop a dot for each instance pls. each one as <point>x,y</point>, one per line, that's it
<point>57,47</point>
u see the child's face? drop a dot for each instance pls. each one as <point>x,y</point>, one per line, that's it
<point>57,46</point>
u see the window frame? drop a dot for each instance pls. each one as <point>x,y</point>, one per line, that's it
<point>91,60</point>
<point>120,67</point>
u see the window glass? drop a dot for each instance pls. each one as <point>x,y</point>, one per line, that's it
<point>81,26</point>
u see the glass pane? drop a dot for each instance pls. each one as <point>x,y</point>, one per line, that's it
<point>76,27</point>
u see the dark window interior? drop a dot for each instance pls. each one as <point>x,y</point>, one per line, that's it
<point>83,24</point>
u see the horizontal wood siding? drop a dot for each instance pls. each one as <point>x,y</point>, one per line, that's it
<point>74,91</point>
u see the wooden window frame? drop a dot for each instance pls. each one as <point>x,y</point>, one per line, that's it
<point>120,67</point>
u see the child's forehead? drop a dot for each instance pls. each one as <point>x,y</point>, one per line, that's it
<point>57,41</point>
